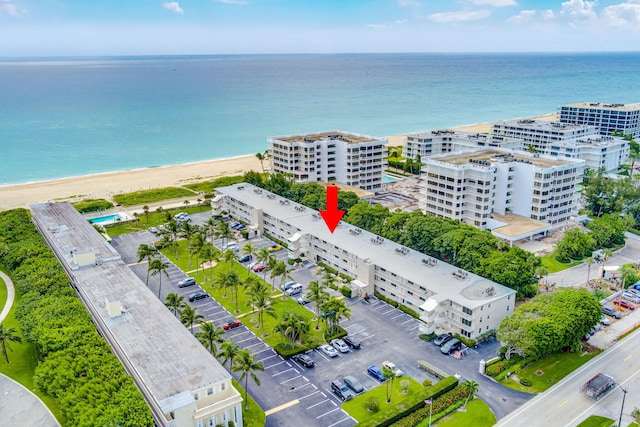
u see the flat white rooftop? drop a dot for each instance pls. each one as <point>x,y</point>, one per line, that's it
<point>604,106</point>
<point>546,126</point>
<point>439,279</point>
<point>489,156</point>
<point>331,135</point>
<point>167,362</point>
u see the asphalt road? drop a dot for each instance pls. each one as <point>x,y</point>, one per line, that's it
<point>564,405</point>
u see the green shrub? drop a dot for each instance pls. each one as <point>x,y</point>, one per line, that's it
<point>339,333</point>
<point>407,310</point>
<point>466,341</point>
<point>427,382</point>
<point>245,234</point>
<point>92,205</point>
<point>525,382</point>
<point>346,291</point>
<point>372,404</point>
<point>427,337</point>
<point>150,196</point>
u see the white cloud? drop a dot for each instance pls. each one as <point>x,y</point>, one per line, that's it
<point>8,7</point>
<point>173,6</point>
<point>408,3</point>
<point>377,26</point>
<point>461,16</point>
<point>623,15</point>
<point>579,10</point>
<point>400,21</point>
<point>523,16</point>
<point>547,15</point>
<point>494,3</point>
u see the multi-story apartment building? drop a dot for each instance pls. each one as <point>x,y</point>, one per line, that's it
<point>349,158</point>
<point>472,185</point>
<point>183,384</point>
<point>577,141</point>
<point>608,118</point>
<point>425,144</point>
<point>446,297</point>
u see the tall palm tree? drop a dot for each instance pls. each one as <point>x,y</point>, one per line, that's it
<point>173,230</point>
<point>262,157</point>
<point>196,242</point>
<point>188,230</point>
<point>209,336</point>
<point>210,226</point>
<point>146,253</point>
<point>227,279</point>
<point>281,271</point>
<point>317,294</point>
<point>158,266</point>
<point>228,352</point>
<point>247,365</point>
<point>175,303</point>
<point>292,326</point>
<point>6,336</point>
<point>589,261</point>
<point>390,376</point>
<point>224,232</point>
<point>228,255</point>
<point>335,309</point>
<point>261,302</point>
<point>145,211</point>
<point>472,388</point>
<point>209,253</point>
<point>189,316</point>
<point>606,254</point>
<point>249,249</point>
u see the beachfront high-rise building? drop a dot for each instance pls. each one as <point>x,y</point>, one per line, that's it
<point>608,118</point>
<point>428,143</point>
<point>565,140</point>
<point>349,158</point>
<point>183,384</point>
<point>473,186</point>
<point>446,298</point>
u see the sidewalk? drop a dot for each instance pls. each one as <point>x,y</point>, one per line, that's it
<point>20,407</point>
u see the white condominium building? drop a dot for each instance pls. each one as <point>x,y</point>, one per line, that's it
<point>565,140</point>
<point>425,144</point>
<point>349,158</point>
<point>472,185</point>
<point>183,384</point>
<point>445,297</point>
<point>608,118</point>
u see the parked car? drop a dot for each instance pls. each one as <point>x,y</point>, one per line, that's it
<point>233,246</point>
<point>399,372</point>
<point>153,230</point>
<point>189,281</point>
<point>328,350</point>
<point>610,311</point>
<point>631,297</point>
<point>287,285</point>
<point>274,248</point>
<point>624,304</point>
<point>441,339</point>
<point>636,286</point>
<point>341,390</point>
<point>450,346</point>
<point>339,345</point>
<point>634,291</point>
<point>353,384</point>
<point>294,290</point>
<point>304,360</point>
<point>604,320</point>
<point>376,373</point>
<point>352,342</point>
<point>303,300</point>
<point>259,267</point>
<point>230,324</point>
<point>245,258</point>
<point>197,296</point>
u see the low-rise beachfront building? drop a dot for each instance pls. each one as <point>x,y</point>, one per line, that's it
<point>350,158</point>
<point>608,118</point>
<point>446,297</point>
<point>474,185</point>
<point>578,141</point>
<point>183,384</point>
<point>429,143</point>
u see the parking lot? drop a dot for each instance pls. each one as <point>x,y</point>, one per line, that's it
<point>290,392</point>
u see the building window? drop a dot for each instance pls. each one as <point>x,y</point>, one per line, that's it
<point>195,396</point>
<point>209,391</point>
<point>223,386</point>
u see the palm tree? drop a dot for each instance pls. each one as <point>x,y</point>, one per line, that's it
<point>189,316</point>
<point>262,157</point>
<point>228,255</point>
<point>210,227</point>
<point>224,232</point>
<point>472,388</point>
<point>335,309</point>
<point>279,270</point>
<point>249,249</point>
<point>606,254</point>
<point>157,266</point>
<point>146,253</point>
<point>262,304</point>
<point>209,336</point>
<point>227,279</point>
<point>317,294</point>
<point>228,351</point>
<point>173,230</point>
<point>209,253</point>
<point>292,326</point>
<point>195,246</point>
<point>540,272</point>
<point>390,376</point>
<point>589,261</point>
<point>188,230</point>
<point>6,336</point>
<point>175,303</point>
<point>145,211</point>
<point>246,363</point>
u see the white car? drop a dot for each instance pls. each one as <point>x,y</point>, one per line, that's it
<point>328,350</point>
<point>393,367</point>
<point>340,345</point>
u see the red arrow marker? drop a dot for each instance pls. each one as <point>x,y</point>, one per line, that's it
<point>332,215</point>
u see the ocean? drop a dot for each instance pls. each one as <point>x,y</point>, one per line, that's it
<point>63,117</point>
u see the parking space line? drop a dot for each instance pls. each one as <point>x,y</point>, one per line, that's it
<point>262,351</point>
<point>258,343</point>
<point>325,357</point>
<point>316,404</point>
<point>275,364</point>
<point>241,333</point>
<point>327,413</point>
<point>267,367</point>
<point>387,312</point>
<point>246,339</point>
<point>399,315</point>
<point>366,338</point>
<point>407,321</point>
<point>286,370</point>
<point>415,327</point>
<point>308,395</point>
<point>286,381</point>
<point>281,407</point>
<point>342,420</point>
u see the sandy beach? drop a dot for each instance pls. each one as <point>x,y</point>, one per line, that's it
<point>107,184</point>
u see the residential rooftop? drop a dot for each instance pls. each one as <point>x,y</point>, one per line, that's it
<point>474,137</point>
<point>547,126</point>
<point>487,157</point>
<point>604,106</point>
<point>332,135</point>
<point>165,359</point>
<point>440,279</point>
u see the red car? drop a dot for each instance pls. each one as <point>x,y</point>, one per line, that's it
<point>259,267</point>
<point>624,304</point>
<point>230,324</point>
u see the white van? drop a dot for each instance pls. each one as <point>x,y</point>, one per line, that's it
<point>294,289</point>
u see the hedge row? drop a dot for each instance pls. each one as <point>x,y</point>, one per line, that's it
<point>92,205</point>
<point>397,305</point>
<point>440,407</point>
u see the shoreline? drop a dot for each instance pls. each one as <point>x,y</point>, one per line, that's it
<point>106,184</point>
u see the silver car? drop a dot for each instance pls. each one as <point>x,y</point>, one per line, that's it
<point>353,384</point>
<point>340,345</point>
<point>328,350</point>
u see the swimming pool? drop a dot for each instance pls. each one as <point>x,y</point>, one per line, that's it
<point>107,219</point>
<point>389,178</point>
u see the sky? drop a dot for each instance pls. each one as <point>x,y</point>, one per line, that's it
<point>36,28</point>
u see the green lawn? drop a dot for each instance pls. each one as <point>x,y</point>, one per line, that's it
<point>478,414</point>
<point>254,416</point>
<point>3,294</point>
<point>150,196</point>
<point>155,219</point>
<point>23,361</point>
<point>597,421</point>
<point>553,265</point>
<point>548,371</point>
<point>356,407</point>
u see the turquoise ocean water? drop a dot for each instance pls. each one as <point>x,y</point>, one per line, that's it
<point>70,117</point>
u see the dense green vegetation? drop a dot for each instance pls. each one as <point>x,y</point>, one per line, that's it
<point>478,414</point>
<point>151,219</point>
<point>597,421</point>
<point>149,196</point>
<point>75,365</point>
<point>207,187</point>
<point>92,205</point>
